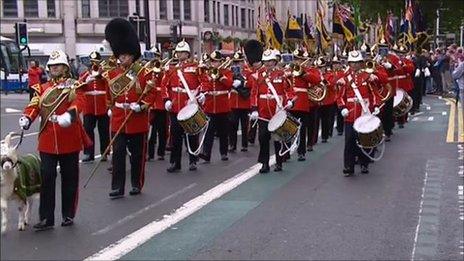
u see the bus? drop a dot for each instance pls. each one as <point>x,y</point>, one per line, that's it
<point>13,67</point>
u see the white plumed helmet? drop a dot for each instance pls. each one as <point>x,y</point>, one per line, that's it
<point>58,57</point>
<point>182,46</point>
<point>269,55</point>
<point>355,56</point>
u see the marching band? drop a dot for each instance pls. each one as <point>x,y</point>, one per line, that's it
<point>187,101</point>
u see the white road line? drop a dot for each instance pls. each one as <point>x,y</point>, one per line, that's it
<point>11,110</point>
<point>143,210</point>
<point>416,235</point>
<point>25,135</point>
<point>430,118</point>
<point>137,238</point>
<point>444,113</point>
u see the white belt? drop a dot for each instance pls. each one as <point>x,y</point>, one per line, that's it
<point>399,77</point>
<point>269,96</point>
<point>356,100</point>
<point>179,89</point>
<point>296,89</point>
<point>234,91</point>
<point>217,93</point>
<point>158,88</point>
<point>95,93</point>
<point>122,105</point>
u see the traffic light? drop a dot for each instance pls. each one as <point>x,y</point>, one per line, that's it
<point>22,38</point>
<point>139,24</point>
<point>174,33</point>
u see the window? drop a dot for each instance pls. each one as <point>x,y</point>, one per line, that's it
<point>51,8</point>
<point>187,10</point>
<point>249,18</point>
<point>219,13</point>
<point>31,8</point>
<point>236,16</point>
<point>163,12</point>
<point>206,7</point>
<point>253,19</point>
<point>233,16</point>
<point>226,15</point>
<point>243,18</point>
<point>137,7</point>
<point>214,11</point>
<point>113,8</point>
<point>85,6</point>
<point>176,9</point>
<point>10,8</point>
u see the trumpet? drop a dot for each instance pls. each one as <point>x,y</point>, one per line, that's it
<point>297,69</point>
<point>215,72</point>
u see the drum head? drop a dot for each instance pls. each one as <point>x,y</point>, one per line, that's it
<point>366,123</point>
<point>187,112</point>
<point>399,96</point>
<point>277,121</point>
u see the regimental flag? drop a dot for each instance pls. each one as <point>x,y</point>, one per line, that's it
<point>343,22</point>
<point>389,28</point>
<point>260,35</point>
<point>274,31</point>
<point>409,20</point>
<point>309,39</point>
<point>293,30</point>
<point>380,32</point>
<point>322,33</point>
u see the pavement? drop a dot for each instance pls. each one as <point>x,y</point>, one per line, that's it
<point>410,206</point>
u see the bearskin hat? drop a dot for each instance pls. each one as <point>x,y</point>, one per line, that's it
<point>253,51</point>
<point>122,37</point>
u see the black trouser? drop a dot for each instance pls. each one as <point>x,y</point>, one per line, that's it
<point>218,123</point>
<point>158,128</point>
<point>417,92</point>
<point>252,133</point>
<point>239,116</point>
<point>312,127</point>
<point>264,144</point>
<point>340,121</point>
<point>177,135</point>
<point>326,116</point>
<point>352,150</point>
<point>303,116</point>
<point>387,117</point>
<point>69,170</point>
<point>103,123</point>
<point>136,144</point>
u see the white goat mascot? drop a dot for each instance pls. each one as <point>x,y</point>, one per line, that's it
<point>20,180</point>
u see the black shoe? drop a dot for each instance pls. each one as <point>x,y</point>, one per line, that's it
<point>232,149</point>
<point>110,169</point>
<point>135,191</point>
<point>150,158</point>
<point>104,158</point>
<point>67,222</point>
<point>278,168</point>
<point>364,169</point>
<point>224,158</point>
<point>193,166</point>
<point>340,133</point>
<point>348,172</point>
<point>310,148</point>
<point>324,141</point>
<point>204,157</point>
<point>301,157</point>
<point>115,194</point>
<point>401,126</point>
<point>244,149</point>
<point>264,169</point>
<point>387,138</point>
<point>173,168</point>
<point>88,159</point>
<point>160,157</point>
<point>43,225</point>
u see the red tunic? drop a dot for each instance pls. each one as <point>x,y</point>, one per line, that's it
<point>139,121</point>
<point>217,92</point>
<point>55,139</point>
<point>156,79</point>
<point>300,86</point>
<point>33,75</point>
<point>172,89</point>
<point>94,95</point>
<point>237,101</point>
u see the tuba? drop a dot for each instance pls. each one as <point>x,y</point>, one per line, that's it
<point>318,92</point>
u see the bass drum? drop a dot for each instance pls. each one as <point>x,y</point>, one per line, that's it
<point>192,119</point>
<point>370,131</point>
<point>402,103</point>
<point>284,126</point>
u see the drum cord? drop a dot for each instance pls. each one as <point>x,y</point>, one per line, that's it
<point>372,149</point>
<point>294,145</point>
<point>196,152</point>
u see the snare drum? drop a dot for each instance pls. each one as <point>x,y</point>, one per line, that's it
<point>192,119</point>
<point>284,126</point>
<point>402,103</point>
<point>370,131</point>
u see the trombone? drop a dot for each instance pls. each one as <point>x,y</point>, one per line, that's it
<point>215,73</point>
<point>297,69</point>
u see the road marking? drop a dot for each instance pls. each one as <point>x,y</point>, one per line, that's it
<point>142,235</point>
<point>450,134</point>
<point>143,210</point>
<point>444,113</point>
<point>12,110</point>
<point>430,118</point>
<point>460,123</point>
<point>25,135</point>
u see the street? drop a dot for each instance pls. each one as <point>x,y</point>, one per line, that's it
<point>410,205</point>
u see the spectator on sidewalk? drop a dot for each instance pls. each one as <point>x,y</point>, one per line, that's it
<point>458,75</point>
<point>34,76</point>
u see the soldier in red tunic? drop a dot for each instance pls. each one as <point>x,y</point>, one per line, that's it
<point>265,104</point>
<point>216,86</point>
<point>351,108</point>
<point>130,97</point>
<point>58,103</point>
<point>95,108</point>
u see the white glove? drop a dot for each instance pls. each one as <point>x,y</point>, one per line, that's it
<point>417,74</point>
<point>135,107</point>
<point>64,120</point>
<point>345,112</point>
<point>376,111</point>
<point>427,72</point>
<point>201,98</point>
<point>373,77</point>
<point>341,81</point>
<point>289,105</point>
<point>109,112</point>
<point>168,105</point>
<point>24,122</point>
<point>387,65</point>
<point>254,116</point>
<point>90,79</point>
<point>236,83</point>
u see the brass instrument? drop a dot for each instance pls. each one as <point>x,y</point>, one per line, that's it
<point>370,66</point>
<point>297,69</point>
<point>215,73</point>
<point>318,92</point>
<point>158,65</point>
